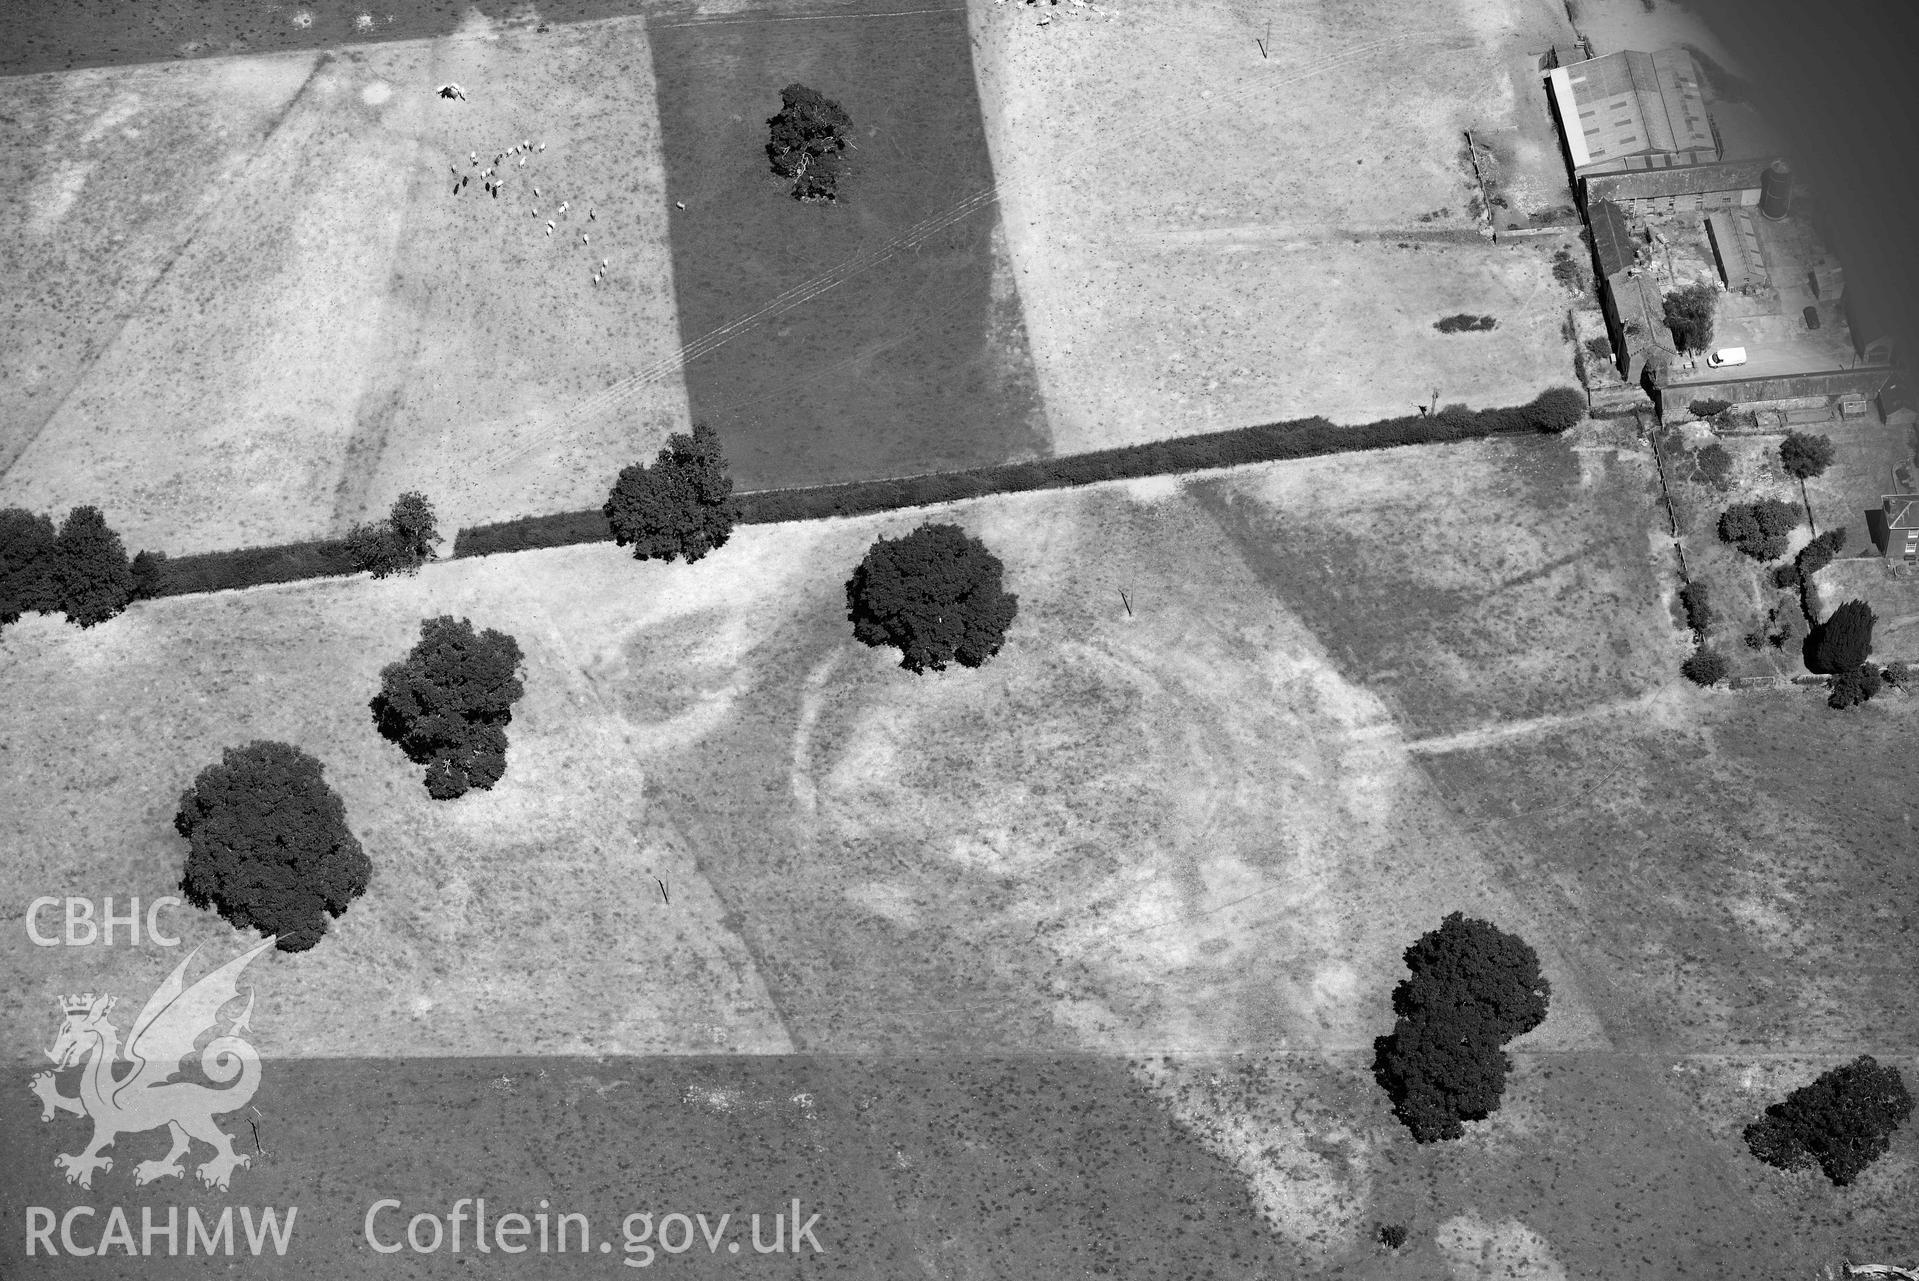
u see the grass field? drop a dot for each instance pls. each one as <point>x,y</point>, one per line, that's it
<point>877,336</point>
<point>1205,237</point>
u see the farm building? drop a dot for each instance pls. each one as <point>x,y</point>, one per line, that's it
<point>1902,526</point>
<point>1632,110</point>
<point>1635,321</point>
<point>1615,245</point>
<point>1898,404</point>
<point>1722,185</point>
<point>1735,245</point>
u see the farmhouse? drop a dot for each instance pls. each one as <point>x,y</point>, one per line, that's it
<point>1630,111</point>
<point>1902,526</point>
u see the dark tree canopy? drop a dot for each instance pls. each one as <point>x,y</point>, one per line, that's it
<point>96,578</point>
<point>1556,409</point>
<point>448,703</point>
<point>1805,455</point>
<point>1854,686</point>
<point>680,506</point>
<point>29,581</point>
<point>807,142</point>
<point>1760,529</point>
<point>1714,464</point>
<point>935,594</point>
<point>1689,314</point>
<point>1844,640</point>
<point>401,543</point>
<point>1473,988</point>
<point>1705,667</point>
<point>1842,1122</point>
<point>269,844</point>
<point>81,571</point>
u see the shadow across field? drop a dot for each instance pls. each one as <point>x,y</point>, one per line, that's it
<point>875,336</point>
<point>1045,1166</point>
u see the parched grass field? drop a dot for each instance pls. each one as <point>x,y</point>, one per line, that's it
<point>1204,237</point>
<point>1192,839</point>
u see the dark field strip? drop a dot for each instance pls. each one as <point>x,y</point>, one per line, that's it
<point>879,347</point>
<point>1038,1167</point>
<point>63,35</point>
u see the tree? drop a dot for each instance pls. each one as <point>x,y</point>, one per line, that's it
<point>806,142</point>
<point>1705,667</point>
<point>1805,455</point>
<point>1689,314</point>
<point>1473,988</point>
<point>29,581</point>
<point>1843,1121</point>
<point>1818,553</point>
<point>1759,529</point>
<point>1843,641</point>
<point>401,543</point>
<point>1854,686</point>
<point>269,844</point>
<point>1714,464</point>
<point>91,566</point>
<point>1556,409</point>
<point>1709,408</point>
<point>935,594</point>
<point>680,506</point>
<point>149,572</point>
<point>1696,597</point>
<point>448,703</point>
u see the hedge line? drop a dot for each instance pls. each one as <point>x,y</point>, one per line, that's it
<point>1271,442</point>
<point>246,567</point>
<point>1553,411</point>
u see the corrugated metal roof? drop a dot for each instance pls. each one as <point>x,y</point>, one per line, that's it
<point>1679,180</point>
<point>1633,103</point>
<point>1613,240</point>
<point>1737,243</point>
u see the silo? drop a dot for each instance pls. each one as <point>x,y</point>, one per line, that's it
<point>1775,190</point>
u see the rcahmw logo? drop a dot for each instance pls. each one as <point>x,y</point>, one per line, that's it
<point>83,930</point>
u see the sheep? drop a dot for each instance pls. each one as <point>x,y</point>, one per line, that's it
<point>589,214</point>
<point>679,204</point>
<point>522,162</point>
<point>582,237</point>
<point>541,147</point>
<point>536,191</point>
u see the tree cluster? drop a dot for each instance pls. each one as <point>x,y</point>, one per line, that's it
<point>1842,1122</point>
<point>1805,455</point>
<point>1473,988</point>
<point>1689,314</point>
<point>401,543</point>
<point>935,594</point>
<point>1760,529</point>
<point>680,506</point>
<point>81,571</point>
<point>448,703</point>
<point>806,142</point>
<point>269,846</point>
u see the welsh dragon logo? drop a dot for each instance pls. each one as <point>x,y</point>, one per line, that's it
<point>129,1090</point>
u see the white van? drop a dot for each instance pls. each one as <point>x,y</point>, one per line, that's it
<point>1727,356</point>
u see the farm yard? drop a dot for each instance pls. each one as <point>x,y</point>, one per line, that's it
<point>1071,963</point>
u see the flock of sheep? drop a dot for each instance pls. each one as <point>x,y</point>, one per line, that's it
<point>490,179</point>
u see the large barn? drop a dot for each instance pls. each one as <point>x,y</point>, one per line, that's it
<point>1633,110</point>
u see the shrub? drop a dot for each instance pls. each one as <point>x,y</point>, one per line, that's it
<point>1897,675</point>
<point>1819,553</point>
<point>400,544</point>
<point>1805,455</point>
<point>1555,410</point>
<point>806,141</point>
<point>149,575</point>
<point>29,575</point>
<point>1689,314</point>
<point>1710,408</point>
<point>1785,577</point>
<point>1599,348</point>
<point>91,566</point>
<point>269,846</point>
<point>680,506</point>
<point>447,704</point>
<point>935,594</point>
<point>1759,529</point>
<point>1843,1121</point>
<point>1464,322</point>
<point>1392,1235</point>
<point>1705,667</point>
<point>1567,271</point>
<point>1694,596</point>
<point>1714,464</point>
<point>1843,641</point>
